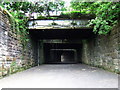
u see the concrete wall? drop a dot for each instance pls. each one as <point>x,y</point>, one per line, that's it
<point>11,48</point>
<point>103,51</point>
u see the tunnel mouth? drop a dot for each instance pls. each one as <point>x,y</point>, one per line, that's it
<point>62,53</point>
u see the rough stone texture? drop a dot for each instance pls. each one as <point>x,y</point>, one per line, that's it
<point>103,51</point>
<point>11,48</point>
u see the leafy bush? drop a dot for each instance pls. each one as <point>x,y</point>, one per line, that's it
<point>71,15</point>
<point>107,14</point>
<point>106,18</point>
<point>41,17</point>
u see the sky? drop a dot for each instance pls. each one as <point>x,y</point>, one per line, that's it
<point>67,2</point>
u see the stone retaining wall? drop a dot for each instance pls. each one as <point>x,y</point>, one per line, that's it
<point>11,49</point>
<point>103,51</point>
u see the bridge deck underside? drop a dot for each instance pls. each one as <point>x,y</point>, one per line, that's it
<point>61,33</point>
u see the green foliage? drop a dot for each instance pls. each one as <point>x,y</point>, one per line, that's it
<point>46,18</point>
<point>13,67</point>
<point>52,18</point>
<point>26,7</point>
<point>41,7</point>
<point>72,14</point>
<point>41,17</point>
<point>18,22</point>
<point>56,6</point>
<point>53,23</point>
<point>21,20</point>
<point>100,26</point>
<point>13,64</point>
<point>107,14</point>
<point>83,7</point>
<point>106,17</point>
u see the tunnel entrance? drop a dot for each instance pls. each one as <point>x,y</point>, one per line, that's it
<point>60,45</point>
<point>62,53</point>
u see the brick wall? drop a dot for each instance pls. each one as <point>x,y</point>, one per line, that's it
<point>103,51</point>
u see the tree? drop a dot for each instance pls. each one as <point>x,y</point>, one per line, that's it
<point>59,6</point>
<point>50,6</point>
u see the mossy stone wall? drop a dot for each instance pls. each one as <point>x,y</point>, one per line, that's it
<point>12,55</point>
<point>103,51</point>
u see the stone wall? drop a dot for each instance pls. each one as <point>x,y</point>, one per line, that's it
<point>103,51</point>
<point>12,53</point>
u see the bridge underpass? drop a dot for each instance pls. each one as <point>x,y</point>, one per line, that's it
<point>60,45</point>
<point>59,53</point>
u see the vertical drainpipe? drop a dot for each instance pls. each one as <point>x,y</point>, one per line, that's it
<point>38,53</point>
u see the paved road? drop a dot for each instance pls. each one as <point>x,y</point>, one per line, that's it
<point>61,76</point>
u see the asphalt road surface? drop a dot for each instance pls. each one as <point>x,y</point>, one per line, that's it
<point>61,76</point>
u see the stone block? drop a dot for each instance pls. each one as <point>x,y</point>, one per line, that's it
<point>114,54</point>
<point>116,61</point>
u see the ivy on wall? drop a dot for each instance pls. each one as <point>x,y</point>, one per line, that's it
<point>17,31</point>
<point>21,21</point>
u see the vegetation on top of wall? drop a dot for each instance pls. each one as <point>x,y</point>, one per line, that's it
<point>104,15</point>
<point>76,15</point>
<point>5,11</point>
<point>19,20</point>
<point>18,25</point>
<point>46,18</point>
<point>107,14</point>
<point>68,15</point>
<point>42,7</point>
